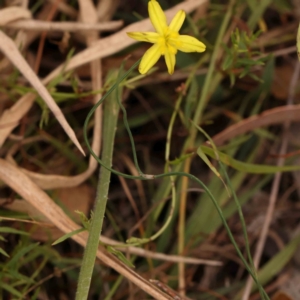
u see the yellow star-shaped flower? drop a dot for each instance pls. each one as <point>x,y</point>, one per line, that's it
<point>166,39</point>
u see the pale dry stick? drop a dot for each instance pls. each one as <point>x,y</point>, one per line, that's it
<point>106,9</point>
<point>66,9</point>
<point>8,47</point>
<point>13,13</point>
<point>26,188</point>
<point>37,25</point>
<point>25,3</point>
<point>161,256</point>
<point>275,188</point>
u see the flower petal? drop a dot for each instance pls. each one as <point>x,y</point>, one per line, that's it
<point>157,16</point>
<point>150,58</point>
<point>150,37</point>
<point>177,21</point>
<point>186,43</point>
<point>170,61</point>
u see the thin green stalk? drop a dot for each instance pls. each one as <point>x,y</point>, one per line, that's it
<point>111,112</point>
<point>114,288</point>
<point>244,227</point>
<point>239,209</point>
<point>258,11</point>
<point>209,76</point>
<point>149,177</point>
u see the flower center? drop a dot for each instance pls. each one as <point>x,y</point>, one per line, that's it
<point>167,41</point>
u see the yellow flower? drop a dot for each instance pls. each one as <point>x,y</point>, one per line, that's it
<point>166,39</point>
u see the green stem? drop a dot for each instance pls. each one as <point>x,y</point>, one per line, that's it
<point>111,111</point>
<point>206,90</point>
<point>148,177</point>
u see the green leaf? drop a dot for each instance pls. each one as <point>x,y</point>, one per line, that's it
<point>120,255</point>
<point>180,159</point>
<point>10,289</point>
<point>12,230</point>
<point>277,263</point>
<point>84,220</point>
<point>68,235</point>
<point>3,252</point>
<point>208,163</point>
<point>246,167</point>
<point>191,100</point>
<point>20,254</point>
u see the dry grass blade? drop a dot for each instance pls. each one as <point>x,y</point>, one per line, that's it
<point>106,9</point>
<point>52,181</point>
<point>20,183</point>
<point>269,117</point>
<point>36,25</point>
<point>8,47</point>
<point>13,13</point>
<point>65,8</point>
<point>12,116</point>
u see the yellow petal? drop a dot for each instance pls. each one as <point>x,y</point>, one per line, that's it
<point>150,58</point>
<point>150,37</point>
<point>186,43</point>
<point>157,16</point>
<point>170,61</point>
<point>177,21</point>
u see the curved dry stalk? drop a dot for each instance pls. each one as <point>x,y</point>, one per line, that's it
<point>13,13</point>
<point>22,185</point>
<point>106,9</point>
<point>65,8</point>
